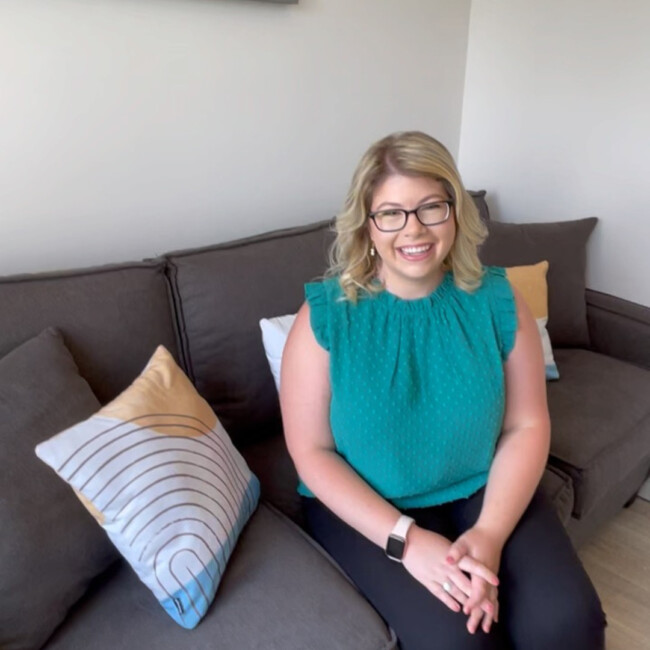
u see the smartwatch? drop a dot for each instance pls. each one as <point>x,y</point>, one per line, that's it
<point>396,544</point>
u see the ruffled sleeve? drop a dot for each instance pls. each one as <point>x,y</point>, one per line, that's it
<point>317,297</point>
<point>504,308</point>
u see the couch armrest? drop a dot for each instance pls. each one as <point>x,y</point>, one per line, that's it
<point>619,328</point>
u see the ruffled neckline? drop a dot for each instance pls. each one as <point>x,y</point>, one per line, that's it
<point>418,304</point>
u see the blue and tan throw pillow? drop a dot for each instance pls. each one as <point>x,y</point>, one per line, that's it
<point>161,476</point>
<point>530,281</point>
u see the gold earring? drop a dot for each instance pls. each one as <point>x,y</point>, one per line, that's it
<point>373,250</point>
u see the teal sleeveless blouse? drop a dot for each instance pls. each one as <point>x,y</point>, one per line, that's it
<point>418,390</point>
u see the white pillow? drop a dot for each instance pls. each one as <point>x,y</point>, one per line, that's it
<point>274,336</point>
<point>159,473</point>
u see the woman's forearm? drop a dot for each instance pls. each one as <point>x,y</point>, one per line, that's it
<point>514,476</point>
<point>522,450</point>
<point>347,495</point>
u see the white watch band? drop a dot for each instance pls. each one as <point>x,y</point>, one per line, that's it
<point>402,527</point>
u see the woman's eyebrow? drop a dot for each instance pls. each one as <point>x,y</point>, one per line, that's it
<point>421,202</point>
<point>435,195</point>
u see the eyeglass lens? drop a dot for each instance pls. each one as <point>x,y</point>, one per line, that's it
<point>429,214</point>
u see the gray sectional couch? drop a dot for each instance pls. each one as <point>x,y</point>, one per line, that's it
<point>280,591</point>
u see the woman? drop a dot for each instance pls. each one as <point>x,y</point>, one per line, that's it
<point>414,406</point>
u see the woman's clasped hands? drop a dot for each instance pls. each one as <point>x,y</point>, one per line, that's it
<point>462,574</point>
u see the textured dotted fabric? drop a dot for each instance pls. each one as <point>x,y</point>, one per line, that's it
<point>418,389</point>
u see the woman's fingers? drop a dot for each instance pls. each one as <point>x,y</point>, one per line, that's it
<point>487,606</point>
<point>454,591</point>
<point>456,551</point>
<point>438,591</point>
<point>461,581</point>
<point>478,595</point>
<point>458,585</point>
<point>488,619</point>
<point>486,625</point>
<point>474,620</point>
<point>491,610</point>
<point>482,614</point>
<point>470,565</point>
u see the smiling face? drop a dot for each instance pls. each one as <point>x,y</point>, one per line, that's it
<point>410,260</point>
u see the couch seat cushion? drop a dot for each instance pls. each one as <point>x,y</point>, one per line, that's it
<point>279,592</point>
<point>600,420</point>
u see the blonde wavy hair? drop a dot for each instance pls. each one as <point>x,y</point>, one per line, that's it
<point>410,153</point>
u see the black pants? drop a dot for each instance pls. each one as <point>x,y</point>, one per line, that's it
<point>546,599</point>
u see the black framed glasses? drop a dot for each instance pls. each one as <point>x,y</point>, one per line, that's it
<point>428,214</point>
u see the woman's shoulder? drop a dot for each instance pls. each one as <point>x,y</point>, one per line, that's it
<point>495,282</point>
<point>501,297</point>
<point>327,282</point>
<point>323,290</point>
<point>494,275</point>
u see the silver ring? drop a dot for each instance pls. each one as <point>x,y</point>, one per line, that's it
<point>446,586</point>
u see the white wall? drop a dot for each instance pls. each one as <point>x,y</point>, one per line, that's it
<point>132,127</point>
<point>556,124</point>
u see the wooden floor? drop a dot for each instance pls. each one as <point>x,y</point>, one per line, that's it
<point>618,562</point>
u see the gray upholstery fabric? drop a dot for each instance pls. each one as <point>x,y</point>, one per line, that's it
<point>269,460</point>
<point>112,317</point>
<point>608,506</point>
<point>558,487</point>
<point>563,244</point>
<point>600,415</point>
<point>50,546</point>
<point>619,328</point>
<point>220,294</point>
<point>278,593</point>
<point>481,203</point>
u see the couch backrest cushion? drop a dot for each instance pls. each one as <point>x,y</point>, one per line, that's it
<point>51,548</point>
<point>481,204</point>
<point>564,245</point>
<point>221,293</point>
<point>112,318</point>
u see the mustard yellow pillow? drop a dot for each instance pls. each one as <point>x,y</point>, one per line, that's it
<point>530,281</point>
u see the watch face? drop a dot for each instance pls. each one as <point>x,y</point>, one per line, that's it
<point>395,548</point>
